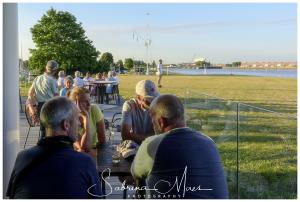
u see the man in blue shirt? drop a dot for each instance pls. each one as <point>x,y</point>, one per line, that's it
<point>53,169</point>
<point>178,162</point>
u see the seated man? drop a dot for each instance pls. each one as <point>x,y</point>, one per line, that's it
<point>136,121</point>
<point>77,80</point>
<point>53,169</point>
<point>179,162</point>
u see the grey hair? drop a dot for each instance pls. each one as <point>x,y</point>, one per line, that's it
<point>77,74</point>
<point>169,107</point>
<point>68,78</point>
<point>61,73</point>
<point>55,111</point>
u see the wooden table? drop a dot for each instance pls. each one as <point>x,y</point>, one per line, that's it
<point>104,107</point>
<point>106,168</point>
<point>100,89</point>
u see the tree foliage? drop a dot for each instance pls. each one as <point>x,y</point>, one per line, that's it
<point>236,64</point>
<point>153,64</point>
<point>120,65</point>
<point>106,62</point>
<point>202,64</point>
<point>128,63</point>
<point>58,36</point>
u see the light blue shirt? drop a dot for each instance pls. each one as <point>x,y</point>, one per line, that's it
<point>45,87</point>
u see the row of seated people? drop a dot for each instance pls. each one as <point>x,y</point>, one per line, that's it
<point>67,82</point>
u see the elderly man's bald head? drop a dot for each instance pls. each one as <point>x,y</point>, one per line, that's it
<point>169,107</point>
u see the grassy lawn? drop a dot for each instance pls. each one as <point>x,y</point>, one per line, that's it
<point>272,93</point>
<point>267,141</point>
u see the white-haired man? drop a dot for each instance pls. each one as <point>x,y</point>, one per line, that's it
<point>53,169</point>
<point>77,80</point>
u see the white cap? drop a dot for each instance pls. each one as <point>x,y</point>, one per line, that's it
<point>146,88</point>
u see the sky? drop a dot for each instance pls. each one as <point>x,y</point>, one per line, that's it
<point>179,32</point>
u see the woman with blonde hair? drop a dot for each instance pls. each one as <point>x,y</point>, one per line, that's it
<point>91,120</point>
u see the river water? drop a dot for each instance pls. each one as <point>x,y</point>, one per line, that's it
<point>286,73</point>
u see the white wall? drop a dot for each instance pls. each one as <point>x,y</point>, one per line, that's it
<point>10,90</point>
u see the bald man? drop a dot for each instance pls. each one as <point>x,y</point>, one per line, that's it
<point>178,162</point>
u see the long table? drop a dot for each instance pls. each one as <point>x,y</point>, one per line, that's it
<point>106,168</point>
<point>100,89</point>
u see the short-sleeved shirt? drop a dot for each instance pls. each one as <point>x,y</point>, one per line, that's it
<point>136,118</point>
<point>78,82</point>
<point>95,116</point>
<point>45,87</point>
<point>160,68</point>
<point>180,153</point>
<point>88,80</point>
<point>61,82</point>
<point>63,91</point>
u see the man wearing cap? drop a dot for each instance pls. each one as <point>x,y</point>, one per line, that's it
<point>136,121</point>
<point>44,87</point>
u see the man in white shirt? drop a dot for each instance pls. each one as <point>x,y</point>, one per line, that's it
<point>77,80</point>
<point>159,72</point>
<point>136,120</point>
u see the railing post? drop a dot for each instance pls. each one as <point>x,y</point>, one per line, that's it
<point>237,150</point>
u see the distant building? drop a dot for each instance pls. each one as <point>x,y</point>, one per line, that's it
<point>268,64</point>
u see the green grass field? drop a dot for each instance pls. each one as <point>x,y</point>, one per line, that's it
<point>267,146</point>
<point>267,141</point>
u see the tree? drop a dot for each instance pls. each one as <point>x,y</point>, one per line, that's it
<point>105,62</point>
<point>236,64</point>
<point>57,36</point>
<point>120,65</point>
<point>200,64</point>
<point>153,63</point>
<point>128,63</point>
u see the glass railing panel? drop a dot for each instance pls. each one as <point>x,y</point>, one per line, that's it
<point>217,119</point>
<point>267,154</point>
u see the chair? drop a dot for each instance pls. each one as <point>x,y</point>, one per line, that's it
<point>114,94</point>
<point>113,125</point>
<point>20,100</point>
<point>30,123</point>
<point>116,121</point>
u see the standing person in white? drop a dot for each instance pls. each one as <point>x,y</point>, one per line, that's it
<point>159,73</point>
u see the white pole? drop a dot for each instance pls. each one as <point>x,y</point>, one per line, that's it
<point>147,72</point>
<point>147,44</point>
<point>168,70</point>
<point>10,90</point>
